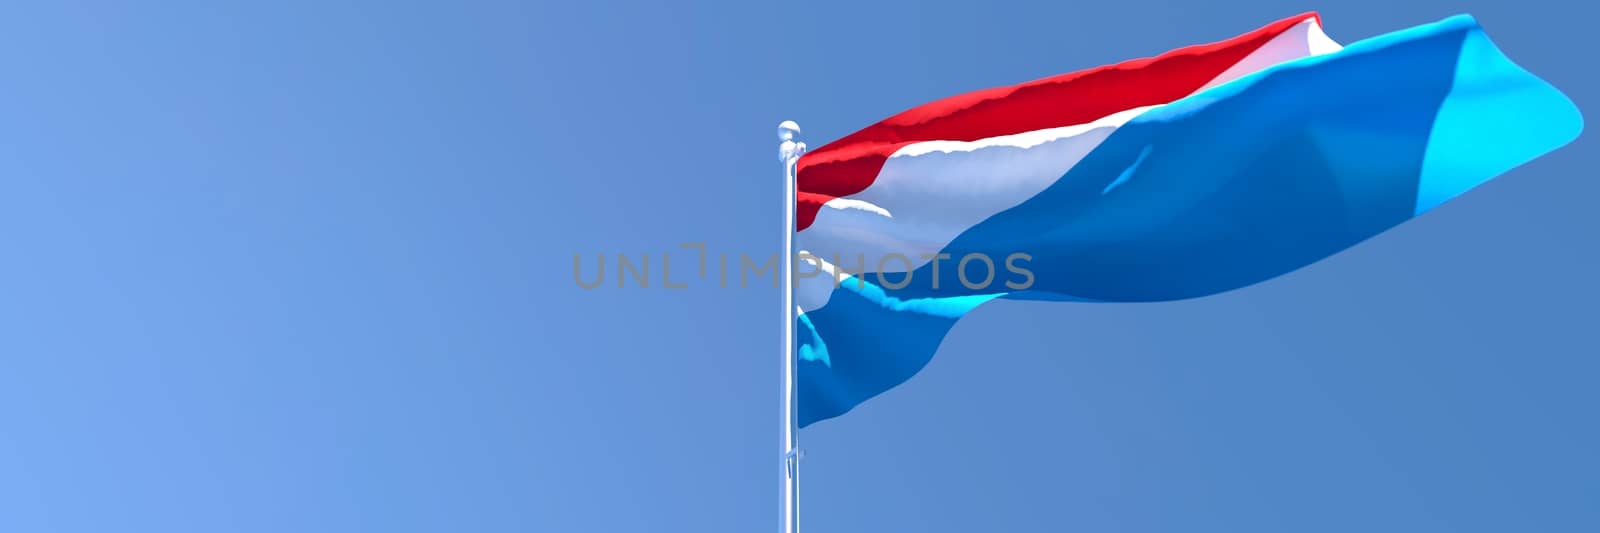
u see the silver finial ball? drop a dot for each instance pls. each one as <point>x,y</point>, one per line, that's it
<point>788,130</point>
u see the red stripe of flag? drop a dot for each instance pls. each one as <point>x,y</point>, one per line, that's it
<point>849,165</point>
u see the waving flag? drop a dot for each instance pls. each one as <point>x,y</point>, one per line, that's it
<point>1198,171</point>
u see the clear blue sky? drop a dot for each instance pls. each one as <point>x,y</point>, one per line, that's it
<point>306,266</point>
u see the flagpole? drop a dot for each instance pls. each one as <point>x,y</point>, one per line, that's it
<point>789,150</point>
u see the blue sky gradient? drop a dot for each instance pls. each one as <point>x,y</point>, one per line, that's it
<point>300,266</point>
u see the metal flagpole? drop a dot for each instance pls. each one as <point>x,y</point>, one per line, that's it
<point>789,151</point>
